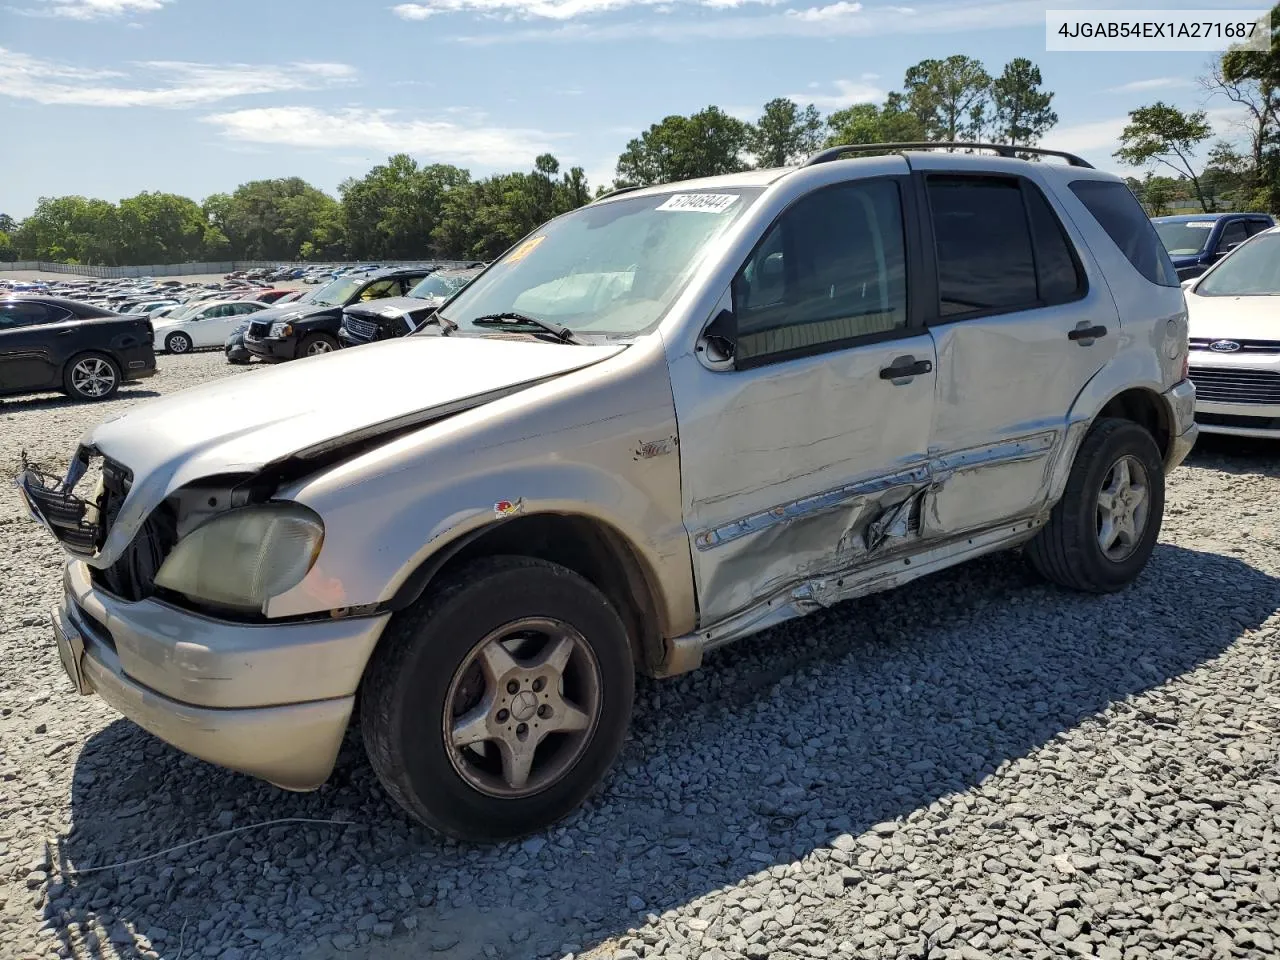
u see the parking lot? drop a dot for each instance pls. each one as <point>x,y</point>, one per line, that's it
<point>976,765</point>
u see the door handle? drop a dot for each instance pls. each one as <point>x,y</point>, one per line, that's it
<point>65,333</point>
<point>905,367</point>
<point>1090,334</point>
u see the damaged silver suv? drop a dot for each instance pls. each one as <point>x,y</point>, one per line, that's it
<point>661,422</point>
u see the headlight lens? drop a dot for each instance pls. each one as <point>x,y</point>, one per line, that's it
<point>281,329</point>
<point>244,557</point>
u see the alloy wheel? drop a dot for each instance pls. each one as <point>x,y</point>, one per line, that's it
<point>93,377</point>
<point>1123,509</point>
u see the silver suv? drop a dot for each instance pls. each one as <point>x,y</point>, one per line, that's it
<point>661,422</point>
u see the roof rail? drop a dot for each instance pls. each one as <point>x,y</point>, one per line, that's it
<point>1004,149</point>
<point>618,190</point>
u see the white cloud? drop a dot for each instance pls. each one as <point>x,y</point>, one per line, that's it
<point>95,9</point>
<point>839,19</point>
<point>172,83</point>
<point>384,130</point>
<point>1097,135</point>
<point>550,9</point>
<point>1155,83</point>
<point>846,94</point>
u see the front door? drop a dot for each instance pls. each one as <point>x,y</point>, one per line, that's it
<point>806,455</point>
<point>1023,321</point>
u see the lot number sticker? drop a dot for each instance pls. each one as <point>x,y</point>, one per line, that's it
<point>699,202</point>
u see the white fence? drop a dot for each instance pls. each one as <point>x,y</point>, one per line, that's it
<point>189,269</point>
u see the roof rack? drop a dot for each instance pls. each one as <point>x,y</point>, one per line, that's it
<point>618,190</point>
<point>1003,149</point>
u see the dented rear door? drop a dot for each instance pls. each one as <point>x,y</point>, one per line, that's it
<point>807,455</point>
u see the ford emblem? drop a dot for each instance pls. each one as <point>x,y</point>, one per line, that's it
<point>1224,346</point>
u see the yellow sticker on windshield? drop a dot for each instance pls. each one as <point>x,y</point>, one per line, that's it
<point>526,248</point>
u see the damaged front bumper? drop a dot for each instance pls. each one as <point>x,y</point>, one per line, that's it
<point>272,700</point>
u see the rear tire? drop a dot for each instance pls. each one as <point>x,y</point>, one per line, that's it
<point>178,343</point>
<point>1115,495</point>
<point>461,671</point>
<point>91,376</point>
<point>317,343</point>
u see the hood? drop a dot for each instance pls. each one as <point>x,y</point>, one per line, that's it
<point>241,424</point>
<point>393,306</point>
<point>1234,318</point>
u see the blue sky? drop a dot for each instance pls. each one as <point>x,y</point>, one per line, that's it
<point>109,97</point>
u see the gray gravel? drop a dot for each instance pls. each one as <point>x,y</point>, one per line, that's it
<point>975,766</point>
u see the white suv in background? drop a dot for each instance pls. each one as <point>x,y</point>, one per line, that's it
<point>661,422</point>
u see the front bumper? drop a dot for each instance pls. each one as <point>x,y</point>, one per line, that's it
<point>1239,419</point>
<point>1181,400</point>
<point>272,701</point>
<point>273,351</point>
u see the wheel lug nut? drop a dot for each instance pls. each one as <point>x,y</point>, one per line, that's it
<point>538,684</point>
<point>502,716</point>
<point>513,686</point>
<point>544,711</point>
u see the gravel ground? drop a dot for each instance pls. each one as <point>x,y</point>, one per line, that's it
<point>977,765</point>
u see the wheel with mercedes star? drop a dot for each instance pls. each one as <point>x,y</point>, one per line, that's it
<point>1100,535</point>
<point>496,703</point>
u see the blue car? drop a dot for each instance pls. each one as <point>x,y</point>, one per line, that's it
<point>1197,241</point>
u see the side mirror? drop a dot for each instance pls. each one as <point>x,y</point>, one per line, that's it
<point>1187,284</point>
<point>717,341</point>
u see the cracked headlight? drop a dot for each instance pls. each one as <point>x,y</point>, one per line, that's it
<point>244,557</point>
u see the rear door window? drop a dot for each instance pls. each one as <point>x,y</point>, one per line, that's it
<point>1118,212</point>
<point>15,315</point>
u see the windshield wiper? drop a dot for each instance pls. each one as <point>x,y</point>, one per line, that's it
<point>511,318</point>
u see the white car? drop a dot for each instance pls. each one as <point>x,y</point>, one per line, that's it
<point>1235,340</point>
<point>203,324</point>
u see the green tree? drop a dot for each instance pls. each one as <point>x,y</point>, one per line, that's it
<point>867,123</point>
<point>708,143</point>
<point>785,133</point>
<point>71,229</point>
<point>949,97</point>
<point>7,224</point>
<point>1163,134</point>
<point>1021,110</point>
<point>161,228</point>
<point>271,219</point>
<point>391,211</point>
<point>8,252</point>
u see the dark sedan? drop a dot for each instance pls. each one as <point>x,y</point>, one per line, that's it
<point>47,343</point>
<point>400,316</point>
<point>303,330</point>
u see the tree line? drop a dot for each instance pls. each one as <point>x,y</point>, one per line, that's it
<point>401,210</point>
<point>1162,137</point>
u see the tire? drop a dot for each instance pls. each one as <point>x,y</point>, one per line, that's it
<point>91,376</point>
<point>1068,550</point>
<point>416,688</point>
<point>178,343</point>
<point>315,344</point>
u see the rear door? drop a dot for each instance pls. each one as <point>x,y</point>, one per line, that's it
<point>1022,322</point>
<point>29,344</point>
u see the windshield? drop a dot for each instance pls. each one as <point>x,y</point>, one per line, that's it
<point>609,269</point>
<point>440,285</point>
<point>336,293</point>
<point>1252,270</point>
<point>1186,238</point>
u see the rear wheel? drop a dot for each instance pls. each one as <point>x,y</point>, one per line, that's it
<point>178,343</point>
<point>495,704</point>
<point>1100,535</point>
<point>316,344</point>
<point>91,376</point>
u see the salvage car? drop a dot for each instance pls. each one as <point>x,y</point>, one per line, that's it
<point>400,316</point>
<point>745,399</point>
<point>1235,341</point>
<point>207,323</point>
<point>305,330</point>
<point>1197,241</point>
<point>47,343</point>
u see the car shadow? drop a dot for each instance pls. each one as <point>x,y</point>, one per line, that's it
<point>853,716</point>
<point>1236,455</point>
<point>52,401</point>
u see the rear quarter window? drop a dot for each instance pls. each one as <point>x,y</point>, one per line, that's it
<point>1118,212</point>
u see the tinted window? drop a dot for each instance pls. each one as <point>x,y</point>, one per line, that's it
<point>1117,210</point>
<point>983,243</point>
<point>14,315</point>
<point>1257,226</point>
<point>1058,271</point>
<point>831,269</point>
<point>1233,233</point>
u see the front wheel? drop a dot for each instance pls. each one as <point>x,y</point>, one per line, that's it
<point>496,703</point>
<point>1100,535</point>
<point>316,344</point>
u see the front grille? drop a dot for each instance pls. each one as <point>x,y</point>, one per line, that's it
<point>1220,385</point>
<point>259,330</point>
<point>1246,346</point>
<point>359,329</point>
<point>133,576</point>
<point>1231,420</point>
